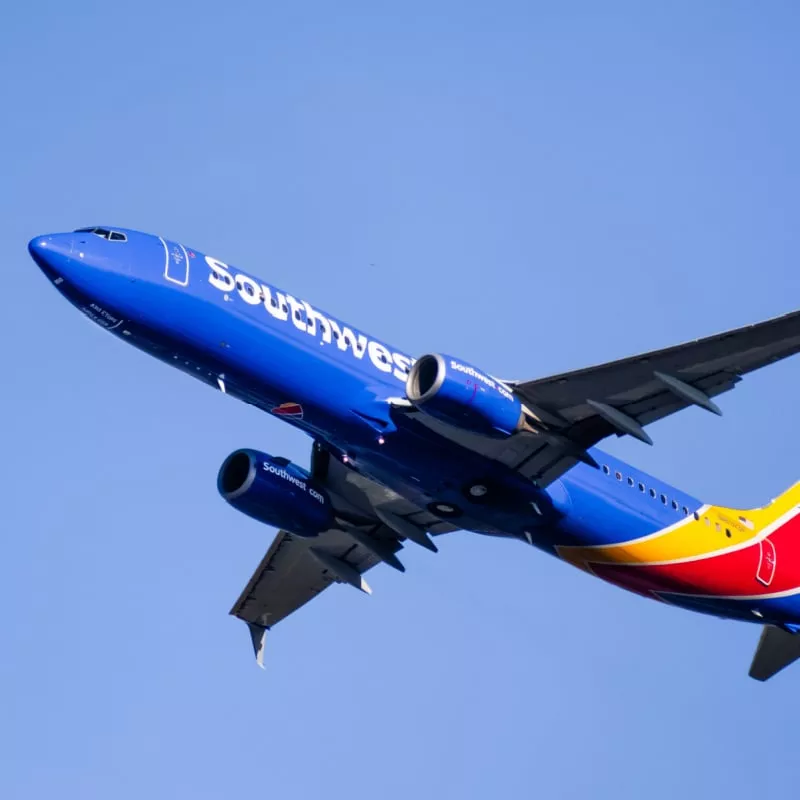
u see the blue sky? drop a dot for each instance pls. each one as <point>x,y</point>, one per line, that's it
<point>534,187</point>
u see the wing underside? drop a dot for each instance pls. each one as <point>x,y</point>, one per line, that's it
<point>374,522</point>
<point>569,413</point>
<point>566,415</point>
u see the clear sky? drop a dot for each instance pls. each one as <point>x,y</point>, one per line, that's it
<point>531,186</point>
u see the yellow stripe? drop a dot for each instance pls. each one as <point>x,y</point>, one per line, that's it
<point>689,538</point>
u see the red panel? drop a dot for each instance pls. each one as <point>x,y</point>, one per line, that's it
<point>739,572</point>
<point>767,561</point>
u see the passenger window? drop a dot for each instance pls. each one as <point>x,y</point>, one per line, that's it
<point>685,511</point>
<point>618,476</point>
<point>664,499</point>
<point>653,493</point>
<point>606,470</point>
<point>675,505</point>
<point>630,481</point>
<point>641,487</point>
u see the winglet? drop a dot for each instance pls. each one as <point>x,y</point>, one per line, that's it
<point>776,649</point>
<point>258,634</point>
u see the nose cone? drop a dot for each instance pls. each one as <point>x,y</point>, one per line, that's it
<point>52,252</point>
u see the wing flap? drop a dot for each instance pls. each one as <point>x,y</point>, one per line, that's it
<point>286,579</point>
<point>291,574</point>
<point>712,364</point>
<point>296,569</point>
<point>620,397</point>
<point>573,411</point>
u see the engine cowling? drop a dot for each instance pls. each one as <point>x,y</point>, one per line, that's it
<point>459,394</point>
<point>275,491</point>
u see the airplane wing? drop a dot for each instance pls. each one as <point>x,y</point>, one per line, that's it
<point>621,397</point>
<point>571,412</point>
<point>373,523</point>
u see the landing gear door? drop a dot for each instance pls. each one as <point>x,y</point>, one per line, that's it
<point>176,263</point>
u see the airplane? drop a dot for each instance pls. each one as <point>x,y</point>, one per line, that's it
<point>408,449</point>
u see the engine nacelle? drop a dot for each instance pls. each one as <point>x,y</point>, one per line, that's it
<point>276,492</point>
<point>463,396</point>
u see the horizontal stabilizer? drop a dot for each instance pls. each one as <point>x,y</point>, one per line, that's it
<point>776,649</point>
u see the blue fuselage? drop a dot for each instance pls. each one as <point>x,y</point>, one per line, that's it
<point>262,345</point>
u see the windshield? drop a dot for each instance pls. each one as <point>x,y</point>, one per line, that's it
<point>104,233</point>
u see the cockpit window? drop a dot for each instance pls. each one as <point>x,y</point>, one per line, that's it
<point>104,233</point>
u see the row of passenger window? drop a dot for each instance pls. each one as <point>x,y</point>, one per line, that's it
<point>676,506</point>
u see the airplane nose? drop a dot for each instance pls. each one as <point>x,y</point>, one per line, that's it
<point>51,251</point>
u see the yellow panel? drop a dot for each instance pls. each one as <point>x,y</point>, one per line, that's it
<point>689,538</point>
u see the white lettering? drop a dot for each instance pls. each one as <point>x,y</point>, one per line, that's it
<point>293,479</point>
<point>249,290</point>
<point>473,373</point>
<point>402,365</point>
<point>219,277</point>
<point>315,317</point>
<point>307,319</point>
<point>503,391</point>
<point>275,305</point>
<point>297,317</point>
<point>346,338</point>
<point>380,356</point>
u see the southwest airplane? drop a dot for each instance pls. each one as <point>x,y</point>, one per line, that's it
<point>408,449</point>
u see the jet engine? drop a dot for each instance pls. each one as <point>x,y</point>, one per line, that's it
<point>459,394</point>
<point>276,492</point>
